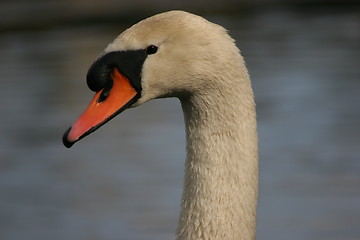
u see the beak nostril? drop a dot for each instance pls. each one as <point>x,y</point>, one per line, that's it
<point>104,94</point>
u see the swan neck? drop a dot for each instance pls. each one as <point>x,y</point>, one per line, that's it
<point>221,172</point>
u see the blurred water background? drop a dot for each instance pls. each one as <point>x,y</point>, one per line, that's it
<point>125,180</point>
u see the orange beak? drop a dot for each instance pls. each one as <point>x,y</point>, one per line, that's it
<point>121,95</point>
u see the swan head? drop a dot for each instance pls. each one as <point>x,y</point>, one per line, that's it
<point>171,54</point>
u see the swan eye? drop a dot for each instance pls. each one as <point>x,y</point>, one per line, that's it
<point>151,49</point>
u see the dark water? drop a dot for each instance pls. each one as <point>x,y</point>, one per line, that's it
<point>125,180</point>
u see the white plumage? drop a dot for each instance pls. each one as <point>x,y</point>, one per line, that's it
<point>199,63</point>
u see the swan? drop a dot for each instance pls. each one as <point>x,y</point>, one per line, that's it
<point>179,54</point>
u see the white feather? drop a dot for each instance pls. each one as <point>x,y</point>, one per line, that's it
<point>198,62</point>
